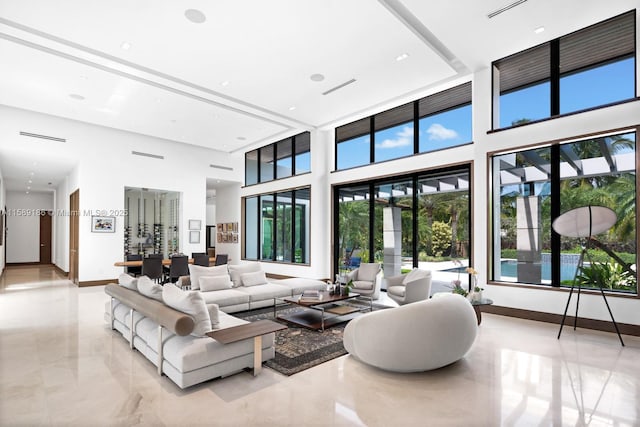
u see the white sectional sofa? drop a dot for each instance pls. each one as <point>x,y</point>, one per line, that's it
<point>173,336</point>
<point>248,287</point>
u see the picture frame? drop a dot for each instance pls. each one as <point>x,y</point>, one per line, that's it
<point>103,224</point>
<point>194,237</point>
<point>195,224</point>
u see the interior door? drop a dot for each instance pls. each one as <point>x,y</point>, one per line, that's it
<point>74,229</point>
<point>45,238</point>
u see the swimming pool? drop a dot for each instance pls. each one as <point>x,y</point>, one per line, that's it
<point>509,268</point>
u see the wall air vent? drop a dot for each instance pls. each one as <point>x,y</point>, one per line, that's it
<point>153,156</point>
<point>227,168</point>
<point>340,86</point>
<point>47,137</point>
<point>505,8</point>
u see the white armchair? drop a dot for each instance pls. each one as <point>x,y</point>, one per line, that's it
<point>411,287</point>
<point>366,280</point>
<point>415,337</point>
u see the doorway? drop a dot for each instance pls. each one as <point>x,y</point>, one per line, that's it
<point>45,237</point>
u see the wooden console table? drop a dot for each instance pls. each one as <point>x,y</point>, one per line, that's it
<point>253,330</point>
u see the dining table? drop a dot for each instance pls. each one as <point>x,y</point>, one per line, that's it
<point>166,261</point>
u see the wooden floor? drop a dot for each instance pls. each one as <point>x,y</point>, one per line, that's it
<point>30,275</point>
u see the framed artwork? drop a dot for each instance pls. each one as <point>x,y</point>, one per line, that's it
<point>103,224</point>
<point>195,224</point>
<point>194,237</point>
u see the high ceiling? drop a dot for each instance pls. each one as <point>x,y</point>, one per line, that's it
<point>233,74</point>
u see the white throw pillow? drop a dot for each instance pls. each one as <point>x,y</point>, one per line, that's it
<point>215,283</point>
<point>237,270</point>
<point>191,303</point>
<point>214,315</point>
<point>198,271</point>
<point>253,279</point>
<point>128,282</point>
<point>149,288</point>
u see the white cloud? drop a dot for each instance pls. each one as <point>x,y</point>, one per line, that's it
<point>438,132</point>
<point>402,139</point>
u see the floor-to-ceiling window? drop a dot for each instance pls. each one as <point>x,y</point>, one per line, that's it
<point>415,220</point>
<point>533,187</point>
<point>277,226</point>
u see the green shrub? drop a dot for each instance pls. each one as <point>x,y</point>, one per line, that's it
<point>441,238</point>
<point>607,275</point>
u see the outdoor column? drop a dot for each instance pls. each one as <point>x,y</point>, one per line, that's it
<point>392,240</point>
<point>528,239</point>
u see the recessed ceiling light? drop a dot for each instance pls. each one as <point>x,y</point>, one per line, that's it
<point>31,173</point>
<point>76,97</point>
<point>402,57</point>
<point>195,16</point>
<point>27,192</point>
<point>538,30</point>
<point>317,77</point>
<point>293,107</point>
<point>225,83</point>
<point>28,188</point>
<point>125,46</point>
<point>241,138</point>
<point>30,182</point>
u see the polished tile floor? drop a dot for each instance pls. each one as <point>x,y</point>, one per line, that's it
<point>61,365</point>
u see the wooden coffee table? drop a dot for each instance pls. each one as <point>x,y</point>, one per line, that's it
<point>316,317</point>
<point>253,330</point>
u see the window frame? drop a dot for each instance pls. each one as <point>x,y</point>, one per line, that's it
<point>555,211</point>
<point>367,126</point>
<point>274,146</point>
<point>291,242</point>
<point>555,75</point>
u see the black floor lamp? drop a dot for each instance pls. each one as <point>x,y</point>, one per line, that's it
<point>585,222</point>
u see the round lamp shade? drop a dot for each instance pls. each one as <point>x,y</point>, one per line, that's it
<point>585,221</point>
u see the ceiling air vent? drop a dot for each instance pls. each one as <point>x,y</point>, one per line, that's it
<point>505,8</point>
<point>47,137</point>
<point>153,156</point>
<point>340,86</point>
<point>227,168</point>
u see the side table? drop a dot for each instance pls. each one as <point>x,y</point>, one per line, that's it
<point>477,307</point>
<point>253,330</point>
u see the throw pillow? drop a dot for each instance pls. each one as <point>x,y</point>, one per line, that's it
<point>214,315</point>
<point>237,270</point>
<point>215,283</point>
<point>198,271</point>
<point>253,279</point>
<point>191,303</point>
<point>148,288</point>
<point>128,282</point>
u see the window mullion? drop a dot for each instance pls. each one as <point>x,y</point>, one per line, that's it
<point>554,86</point>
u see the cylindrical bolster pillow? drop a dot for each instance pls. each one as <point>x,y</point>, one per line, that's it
<point>177,322</point>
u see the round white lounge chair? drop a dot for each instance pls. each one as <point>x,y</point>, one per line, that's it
<point>415,337</point>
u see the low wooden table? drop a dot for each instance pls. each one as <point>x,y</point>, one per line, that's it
<point>253,330</point>
<point>477,305</point>
<point>315,317</point>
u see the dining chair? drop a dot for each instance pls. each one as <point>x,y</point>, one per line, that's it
<point>152,268</point>
<point>179,267</point>
<point>134,271</point>
<point>221,259</point>
<point>193,254</point>
<point>201,259</point>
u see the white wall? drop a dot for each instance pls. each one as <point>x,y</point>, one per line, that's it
<point>106,166</point>
<point>3,202</point>
<point>23,224</point>
<point>228,198</point>
<point>211,213</point>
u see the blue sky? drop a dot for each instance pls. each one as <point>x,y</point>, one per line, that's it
<point>597,86</point>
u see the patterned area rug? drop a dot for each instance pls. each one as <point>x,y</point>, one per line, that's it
<point>299,348</point>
